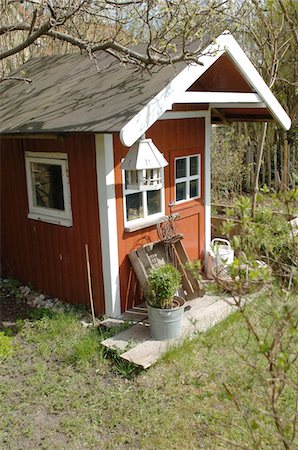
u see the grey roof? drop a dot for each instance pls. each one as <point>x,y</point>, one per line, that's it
<point>69,93</point>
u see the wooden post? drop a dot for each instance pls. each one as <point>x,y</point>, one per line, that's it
<point>258,167</point>
<point>89,284</point>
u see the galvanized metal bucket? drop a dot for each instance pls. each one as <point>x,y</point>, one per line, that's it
<point>166,323</point>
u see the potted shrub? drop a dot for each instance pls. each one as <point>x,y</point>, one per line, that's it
<point>165,310</point>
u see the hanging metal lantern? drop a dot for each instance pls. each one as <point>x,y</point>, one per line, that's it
<point>142,165</point>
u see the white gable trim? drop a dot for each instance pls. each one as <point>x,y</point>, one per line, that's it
<point>253,77</point>
<point>164,100</point>
<point>143,120</point>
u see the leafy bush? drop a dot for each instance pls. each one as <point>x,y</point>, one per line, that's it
<point>163,283</point>
<point>267,237</point>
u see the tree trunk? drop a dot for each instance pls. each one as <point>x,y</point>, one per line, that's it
<point>249,160</point>
<point>269,167</point>
<point>276,174</point>
<point>258,167</point>
<point>285,173</point>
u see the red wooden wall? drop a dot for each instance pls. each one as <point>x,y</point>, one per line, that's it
<point>174,138</point>
<point>49,256</point>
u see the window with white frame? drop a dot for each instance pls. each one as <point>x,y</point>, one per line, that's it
<point>48,187</point>
<point>187,178</point>
<point>141,207</point>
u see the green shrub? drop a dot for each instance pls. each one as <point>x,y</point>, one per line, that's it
<point>163,283</point>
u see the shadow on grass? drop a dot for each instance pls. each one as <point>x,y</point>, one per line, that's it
<point>122,367</point>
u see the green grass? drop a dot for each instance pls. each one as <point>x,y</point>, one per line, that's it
<point>6,347</point>
<point>60,390</point>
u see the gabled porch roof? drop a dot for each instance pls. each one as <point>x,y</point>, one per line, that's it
<point>226,81</point>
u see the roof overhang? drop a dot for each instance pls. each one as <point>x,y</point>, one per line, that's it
<point>258,105</point>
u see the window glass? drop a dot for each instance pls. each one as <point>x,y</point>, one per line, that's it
<point>181,168</point>
<point>131,178</point>
<point>187,177</point>
<point>194,188</point>
<point>153,202</point>
<point>134,206</point>
<point>194,165</point>
<point>180,191</point>
<point>47,185</point>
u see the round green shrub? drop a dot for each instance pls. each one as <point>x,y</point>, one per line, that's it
<point>163,283</point>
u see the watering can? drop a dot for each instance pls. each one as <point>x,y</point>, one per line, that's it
<point>219,254</point>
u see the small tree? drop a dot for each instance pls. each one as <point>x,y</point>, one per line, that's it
<point>271,352</point>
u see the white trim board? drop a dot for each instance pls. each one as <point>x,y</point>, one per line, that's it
<point>178,86</point>
<point>218,97</point>
<point>207,187</point>
<point>238,105</point>
<point>183,114</point>
<point>108,222</point>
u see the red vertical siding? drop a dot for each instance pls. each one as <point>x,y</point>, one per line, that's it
<point>49,256</point>
<point>174,138</point>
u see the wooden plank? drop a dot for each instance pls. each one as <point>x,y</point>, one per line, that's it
<point>201,314</point>
<point>147,353</point>
<point>183,255</point>
<point>185,280</point>
<point>132,336</point>
<point>139,269</point>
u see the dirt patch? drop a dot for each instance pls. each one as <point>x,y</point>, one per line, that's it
<point>13,309</point>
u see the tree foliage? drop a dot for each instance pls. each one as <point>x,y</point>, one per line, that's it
<point>110,26</point>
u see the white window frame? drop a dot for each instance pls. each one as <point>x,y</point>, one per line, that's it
<point>147,220</point>
<point>188,178</point>
<point>50,215</point>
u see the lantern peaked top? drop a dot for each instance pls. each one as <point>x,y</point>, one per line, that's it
<point>144,155</point>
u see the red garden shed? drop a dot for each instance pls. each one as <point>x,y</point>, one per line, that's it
<point>63,138</point>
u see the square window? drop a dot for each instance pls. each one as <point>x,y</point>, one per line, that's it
<point>48,187</point>
<point>143,199</point>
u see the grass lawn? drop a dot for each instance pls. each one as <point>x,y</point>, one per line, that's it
<point>58,390</point>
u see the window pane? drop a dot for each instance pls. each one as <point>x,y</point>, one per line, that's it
<point>180,168</point>
<point>194,165</point>
<point>47,185</point>
<point>194,188</point>
<point>180,191</point>
<point>134,206</point>
<point>153,202</point>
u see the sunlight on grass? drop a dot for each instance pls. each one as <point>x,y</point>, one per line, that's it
<point>62,390</point>
<point>5,345</point>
